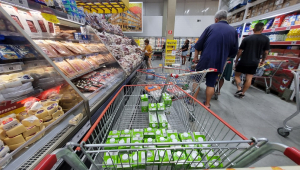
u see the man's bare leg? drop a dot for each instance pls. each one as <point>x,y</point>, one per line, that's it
<point>209,93</point>
<point>247,83</point>
<point>221,82</point>
<point>238,81</point>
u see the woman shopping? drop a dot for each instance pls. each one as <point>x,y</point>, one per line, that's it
<point>184,50</point>
<point>148,52</point>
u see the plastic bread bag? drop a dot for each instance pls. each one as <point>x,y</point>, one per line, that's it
<point>61,49</point>
<point>48,50</point>
<point>66,68</point>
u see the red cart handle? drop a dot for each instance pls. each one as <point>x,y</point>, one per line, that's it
<point>47,163</point>
<point>293,154</point>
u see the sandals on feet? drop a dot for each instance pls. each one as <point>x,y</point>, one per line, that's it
<point>205,105</point>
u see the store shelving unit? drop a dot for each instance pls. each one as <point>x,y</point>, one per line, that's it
<point>59,132</point>
<point>104,6</point>
<point>127,21</point>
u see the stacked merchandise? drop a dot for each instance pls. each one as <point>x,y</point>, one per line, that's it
<point>97,80</point>
<point>156,157</point>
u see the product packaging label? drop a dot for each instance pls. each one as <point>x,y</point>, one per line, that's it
<point>138,160</point>
<point>149,132</point>
<point>185,136</point>
<point>162,119</point>
<point>125,133</point>
<point>124,161</point>
<point>111,141</point>
<point>152,107</point>
<point>137,133</point>
<point>153,122</point>
<point>124,141</point>
<point>144,103</point>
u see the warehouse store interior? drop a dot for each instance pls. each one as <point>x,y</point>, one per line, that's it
<point>149,84</point>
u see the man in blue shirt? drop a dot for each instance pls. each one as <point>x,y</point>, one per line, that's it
<point>217,43</point>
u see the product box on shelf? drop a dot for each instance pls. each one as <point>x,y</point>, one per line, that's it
<point>276,52</point>
<point>270,5</point>
<point>149,133</point>
<point>278,4</point>
<point>288,3</point>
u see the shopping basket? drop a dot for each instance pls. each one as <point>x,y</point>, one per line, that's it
<point>221,146</point>
<point>286,129</point>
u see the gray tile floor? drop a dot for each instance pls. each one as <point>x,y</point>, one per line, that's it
<point>257,115</point>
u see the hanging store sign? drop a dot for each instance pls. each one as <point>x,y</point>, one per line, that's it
<point>48,14</point>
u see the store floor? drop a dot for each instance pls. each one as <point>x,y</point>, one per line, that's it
<point>257,115</point>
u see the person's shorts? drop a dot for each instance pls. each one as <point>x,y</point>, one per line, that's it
<point>146,58</point>
<point>184,53</point>
<point>211,78</point>
<point>246,69</point>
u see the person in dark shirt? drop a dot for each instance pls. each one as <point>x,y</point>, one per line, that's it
<point>251,49</point>
<point>184,50</point>
<point>217,43</point>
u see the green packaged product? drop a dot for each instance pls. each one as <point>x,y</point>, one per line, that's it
<point>111,141</point>
<point>114,134</point>
<point>137,133</point>
<point>172,134</point>
<point>144,103</point>
<point>160,108</point>
<point>184,136</point>
<point>162,120</point>
<point>161,132</point>
<point>149,132</point>
<point>215,163</point>
<point>176,147</point>
<point>152,107</point>
<point>180,160</point>
<point>110,160</point>
<point>124,161</point>
<point>153,122</point>
<point>124,141</point>
<point>188,151</point>
<point>162,140</point>
<point>165,156</point>
<point>149,140</point>
<point>125,133</point>
<point>137,140</point>
<point>212,155</point>
<point>152,159</point>
<point>138,160</point>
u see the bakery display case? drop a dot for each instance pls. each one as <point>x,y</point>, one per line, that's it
<point>55,74</point>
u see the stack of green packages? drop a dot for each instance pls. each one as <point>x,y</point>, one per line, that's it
<point>162,118</point>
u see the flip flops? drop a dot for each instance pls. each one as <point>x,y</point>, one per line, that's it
<point>206,106</point>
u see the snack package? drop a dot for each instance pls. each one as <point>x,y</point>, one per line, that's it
<point>253,24</point>
<point>26,51</point>
<point>277,21</point>
<point>292,20</point>
<point>264,21</point>
<point>66,68</point>
<point>269,23</point>
<point>8,53</point>
<point>47,49</point>
<point>60,48</point>
<point>297,22</point>
<point>286,21</point>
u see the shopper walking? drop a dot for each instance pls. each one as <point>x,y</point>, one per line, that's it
<point>184,50</point>
<point>252,48</point>
<point>192,49</point>
<point>218,42</point>
<point>148,53</point>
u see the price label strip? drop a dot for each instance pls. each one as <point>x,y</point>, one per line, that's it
<point>10,68</point>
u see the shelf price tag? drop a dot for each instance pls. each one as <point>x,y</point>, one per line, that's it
<point>173,52</point>
<point>10,68</point>
<point>70,17</point>
<point>273,30</point>
<point>288,28</point>
<point>294,42</point>
<point>76,19</point>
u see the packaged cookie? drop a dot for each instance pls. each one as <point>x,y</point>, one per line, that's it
<point>8,53</point>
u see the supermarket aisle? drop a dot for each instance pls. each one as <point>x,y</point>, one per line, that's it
<point>256,115</point>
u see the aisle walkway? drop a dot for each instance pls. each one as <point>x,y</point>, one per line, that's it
<point>258,115</point>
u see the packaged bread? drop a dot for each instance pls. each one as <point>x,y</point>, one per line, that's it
<point>31,121</point>
<point>20,128</point>
<point>66,68</point>
<point>60,48</point>
<point>48,50</point>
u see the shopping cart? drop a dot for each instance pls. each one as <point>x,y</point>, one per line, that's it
<point>217,86</point>
<point>213,143</point>
<point>266,73</point>
<point>285,130</point>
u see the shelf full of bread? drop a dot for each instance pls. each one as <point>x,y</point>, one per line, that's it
<point>35,96</point>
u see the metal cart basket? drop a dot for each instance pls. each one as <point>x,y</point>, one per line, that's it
<point>221,146</point>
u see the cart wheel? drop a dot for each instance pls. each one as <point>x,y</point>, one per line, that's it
<point>216,97</point>
<point>282,132</point>
<point>268,91</point>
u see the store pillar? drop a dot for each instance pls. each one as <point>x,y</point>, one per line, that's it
<point>170,24</point>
